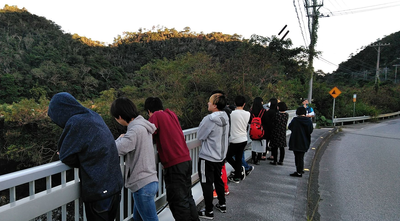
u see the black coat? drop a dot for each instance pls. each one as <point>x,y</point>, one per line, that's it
<point>300,138</point>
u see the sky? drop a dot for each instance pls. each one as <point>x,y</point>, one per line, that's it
<point>351,25</point>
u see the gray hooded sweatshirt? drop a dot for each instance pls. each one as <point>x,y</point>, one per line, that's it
<point>137,145</point>
<point>213,133</point>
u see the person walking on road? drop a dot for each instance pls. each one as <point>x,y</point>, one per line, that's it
<point>300,139</point>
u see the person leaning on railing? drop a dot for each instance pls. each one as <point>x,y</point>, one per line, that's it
<point>175,158</point>
<point>87,143</point>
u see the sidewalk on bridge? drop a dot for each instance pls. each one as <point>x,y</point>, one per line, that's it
<point>268,193</point>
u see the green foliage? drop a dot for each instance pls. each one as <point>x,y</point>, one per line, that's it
<point>8,89</point>
<point>182,84</point>
<point>38,60</point>
<point>28,135</point>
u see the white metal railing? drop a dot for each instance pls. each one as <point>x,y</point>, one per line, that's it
<point>58,195</point>
<point>61,193</point>
<point>364,118</point>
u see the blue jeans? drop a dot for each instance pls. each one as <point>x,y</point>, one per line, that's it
<point>144,207</point>
<point>244,163</point>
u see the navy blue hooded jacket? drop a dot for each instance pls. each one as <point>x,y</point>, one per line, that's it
<point>87,143</point>
<point>300,138</point>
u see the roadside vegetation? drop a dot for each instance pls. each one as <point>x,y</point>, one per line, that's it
<point>38,60</point>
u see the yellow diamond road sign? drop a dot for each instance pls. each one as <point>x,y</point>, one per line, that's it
<point>335,92</point>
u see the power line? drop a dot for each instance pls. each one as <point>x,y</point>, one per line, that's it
<point>364,9</point>
<point>301,28</point>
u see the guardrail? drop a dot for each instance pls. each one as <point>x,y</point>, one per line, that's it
<point>364,118</point>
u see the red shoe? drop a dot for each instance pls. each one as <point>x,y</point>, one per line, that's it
<point>226,192</point>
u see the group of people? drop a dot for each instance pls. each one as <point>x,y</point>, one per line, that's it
<point>224,136</point>
<point>87,143</point>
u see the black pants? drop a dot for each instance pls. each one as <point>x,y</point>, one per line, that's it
<point>178,183</point>
<point>103,210</point>
<point>274,151</point>
<point>256,157</point>
<point>299,161</point>
<point>210,173</point>
<point>236,150</point>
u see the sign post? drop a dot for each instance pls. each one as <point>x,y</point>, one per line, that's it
<point>334,93</point>
<point>354,101</point>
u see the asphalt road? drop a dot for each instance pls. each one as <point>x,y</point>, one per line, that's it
<point>359,173</point>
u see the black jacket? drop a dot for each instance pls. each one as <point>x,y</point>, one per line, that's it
<point>300,138</point>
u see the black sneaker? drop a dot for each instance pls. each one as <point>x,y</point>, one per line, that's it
<point>250,170</point>
<point>206,215</point>
<point>221,208</point>
<point>296,174</point>
<point>234,180</point>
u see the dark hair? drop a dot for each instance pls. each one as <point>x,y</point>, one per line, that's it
<point>301,111</point>
<point>282,106</point>
<point>240,100</point>
<point>153,104</point>
<point>232,107</point>
<point>274,103</point>
<point>257,105</point>
<point>125,108</point>
<point>219,100</point>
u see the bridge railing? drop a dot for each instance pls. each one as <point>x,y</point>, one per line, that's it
<point>51,191</point>
<point>364,118</point>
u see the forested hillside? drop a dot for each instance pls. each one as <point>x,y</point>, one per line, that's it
<point>360,68</point>
<point>38,60</point>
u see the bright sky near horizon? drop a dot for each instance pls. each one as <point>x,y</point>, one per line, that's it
<point>351,24</point>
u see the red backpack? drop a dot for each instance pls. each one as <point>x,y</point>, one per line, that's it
<point>256,128</point>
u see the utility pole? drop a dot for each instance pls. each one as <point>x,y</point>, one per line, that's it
<point>312,26</point>
<point>379,45</point>
<point>395,73</point>
<point>386,70</point>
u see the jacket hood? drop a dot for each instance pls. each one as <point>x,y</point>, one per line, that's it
<point>217,117</point>
<point>139,120</point>
<point>62,107</point>
<point>303,120</point>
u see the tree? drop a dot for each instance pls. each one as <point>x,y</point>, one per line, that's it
<point>8,89</point>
